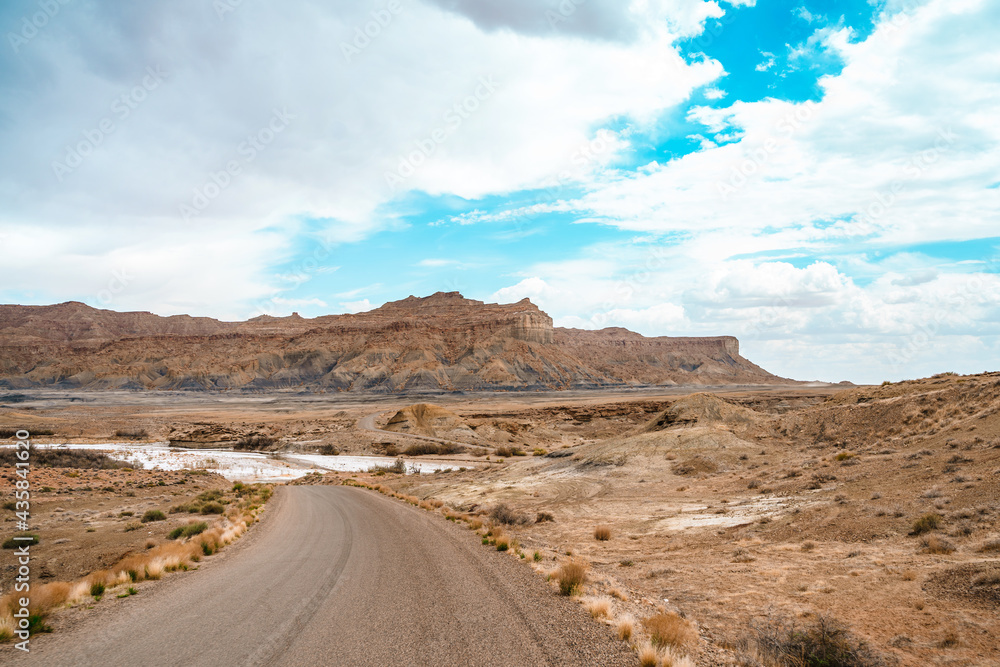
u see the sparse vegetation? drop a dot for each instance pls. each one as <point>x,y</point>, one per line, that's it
<point>255,441</point>
<point>670,629</point>
<point>189,530</point>
<point>936,545</point>
<point>153,515</point>
<point>19,541</point>
<point>505,514</point>
<point>602,533</point>
<point>822,643</point>
<point>926,524</point>
<point>132,434</point>
<point>571,577</point>
<point>598,607</point>
<point>625,627</point>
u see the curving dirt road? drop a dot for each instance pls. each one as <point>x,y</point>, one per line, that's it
<point>338,576</point>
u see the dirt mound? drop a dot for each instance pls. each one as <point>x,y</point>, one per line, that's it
<point>704,409</point>
<point>430,420</point>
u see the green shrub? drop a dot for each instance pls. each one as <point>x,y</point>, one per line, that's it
<point>153,515</point>
<point>97,589</point>
<point>212,508</point>
<point>189,530</point>
<point>12,543</point>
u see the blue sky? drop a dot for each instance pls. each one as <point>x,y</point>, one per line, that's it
<point>817,178</point>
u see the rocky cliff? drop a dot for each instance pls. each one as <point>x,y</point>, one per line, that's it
<point>443,342</point>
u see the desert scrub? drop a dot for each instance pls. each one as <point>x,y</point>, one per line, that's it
<point>602,533</point>
<point>926,524</point>
<point>19,541</point>
<point>189,530</point>
<point>669,629</point>
<point>132,525</point>
<point>153,515</point>
<point>932,544</point>
<point>505,514</point>
<point>571,577</point>
<point>212,508</point>
<point>823,643</point>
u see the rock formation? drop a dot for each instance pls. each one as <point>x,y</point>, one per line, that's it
<point>443,342</point>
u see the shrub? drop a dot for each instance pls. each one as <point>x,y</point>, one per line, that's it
<point>602,533</point>
<point>255,441</point>
<point>537,557</point>
<point>571,577</point>
<point>11,543</point>
<point>132,434</point>
<point>990,547</point>
<point>669,629</point>
<point>212,508</point>
<point>824,643</point>
<point>132,525</point>
<point>153,515</point>
<point>743,555</point>
<point>936,545</point>
<point>542,517</point>
<point>502,542</point>
<point>97,589</point>
<point>189,530</point>
<point>808,545</point>
<point>433,448</point>
<point>505,514</point>
<point>61,457</point>
<point>926,524</point>
<point>538,451</point>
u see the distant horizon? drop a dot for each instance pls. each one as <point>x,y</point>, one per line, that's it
<point>816,178</point>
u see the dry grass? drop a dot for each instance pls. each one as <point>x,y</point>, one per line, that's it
<point>936,545</point>
<point>926,524</point>
<point>823,642</point>
<point>571,577</point>
<point>648,657</point>
<point>166,557</point>
<point>602,533</point>
<point>909,575</point>
<point>599,607</point>
<point>989,547</point>
<point>669,629</point>
<point>625,627</point>
<point>505,514</point>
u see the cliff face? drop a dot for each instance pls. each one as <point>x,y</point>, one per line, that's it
<point>443,342</point>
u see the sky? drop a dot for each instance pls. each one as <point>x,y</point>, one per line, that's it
<point>820,179</point>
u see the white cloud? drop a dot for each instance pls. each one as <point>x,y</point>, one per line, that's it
<point>356,306</point>
<point>767,63</point>
<point>346,123</point>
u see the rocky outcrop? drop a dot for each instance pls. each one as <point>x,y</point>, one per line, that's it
<point>443,342</point>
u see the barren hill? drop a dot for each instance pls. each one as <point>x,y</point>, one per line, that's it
<point>443,342</point>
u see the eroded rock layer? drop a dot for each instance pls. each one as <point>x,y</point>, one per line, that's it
<point>443,342</point>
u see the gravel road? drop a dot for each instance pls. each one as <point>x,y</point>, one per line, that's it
<point>338,576</point>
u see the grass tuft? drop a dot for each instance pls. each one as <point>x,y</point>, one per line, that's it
<point>571,577</point>
<point>669,629</point>
<point>602,533</point>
